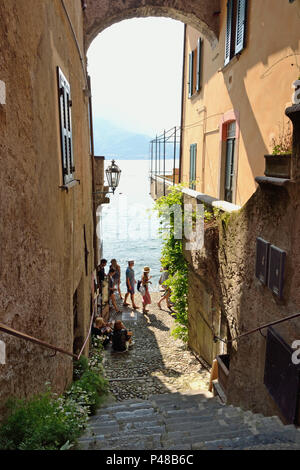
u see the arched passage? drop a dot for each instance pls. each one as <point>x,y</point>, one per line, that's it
<point>201,14</point>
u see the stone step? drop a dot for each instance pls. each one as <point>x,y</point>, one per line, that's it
<point>242,442</point>
<point>192,421</point>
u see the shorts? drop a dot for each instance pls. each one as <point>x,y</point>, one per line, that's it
<point>130,290</point>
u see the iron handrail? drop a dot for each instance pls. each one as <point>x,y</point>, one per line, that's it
<point>12,332</point>
<point>247,333</point>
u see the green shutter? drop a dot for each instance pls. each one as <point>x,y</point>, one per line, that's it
<point>240,35</point>
<point>199,64</point>
<point>191,73</point>
<point>193,159</point>
<point>228,32</point>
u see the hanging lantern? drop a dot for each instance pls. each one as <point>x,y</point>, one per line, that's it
<point>113,174</point>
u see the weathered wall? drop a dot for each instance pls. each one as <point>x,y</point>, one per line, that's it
<point>201,14</point>
<point>273,214</point>
<point>257,87</point>
<point>42,242</point>
<point>226,267</point>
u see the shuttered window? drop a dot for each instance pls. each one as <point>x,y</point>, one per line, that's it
<point>228,31</point>
<point>240,25</point>
<point>229,163</point>
<point>191,74</point>
<point>195,69</point>
<point>235,28</point>
<point>65,105</point>
<point>193,160</point>
<point>199,62</point>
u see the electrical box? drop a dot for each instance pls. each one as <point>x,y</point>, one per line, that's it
<point>262,260</point>
<point>276,270</point>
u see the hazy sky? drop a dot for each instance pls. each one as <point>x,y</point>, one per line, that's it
<point>136,72</point>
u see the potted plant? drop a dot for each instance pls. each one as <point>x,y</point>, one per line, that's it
<point>278,164</point>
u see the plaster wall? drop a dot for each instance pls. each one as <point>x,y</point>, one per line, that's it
<point>42,227</point>
<point>256,85</point>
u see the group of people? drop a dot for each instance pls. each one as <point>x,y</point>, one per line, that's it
<point>114,282</point>
<point>116,333</point>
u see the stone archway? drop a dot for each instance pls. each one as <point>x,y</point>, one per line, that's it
<point>200,14</point>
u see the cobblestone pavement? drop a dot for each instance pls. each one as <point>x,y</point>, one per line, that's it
<point>157,363</point>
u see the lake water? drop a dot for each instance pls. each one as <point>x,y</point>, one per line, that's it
<point>129,224</point>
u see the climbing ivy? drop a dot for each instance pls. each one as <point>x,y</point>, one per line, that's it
<point>172,256</point>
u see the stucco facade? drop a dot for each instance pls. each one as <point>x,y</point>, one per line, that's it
<point>45,230</point>
<point>253,90</point>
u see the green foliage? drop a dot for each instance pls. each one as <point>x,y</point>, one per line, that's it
<point>42,423</point>
<point>172,256</point>
<point>79,367</point>
<point>48,422</point>
<point>88,391</point>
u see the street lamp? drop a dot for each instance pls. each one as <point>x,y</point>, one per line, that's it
<point>113,174</point>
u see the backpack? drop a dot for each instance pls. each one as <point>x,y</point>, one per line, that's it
<point>141,289</point>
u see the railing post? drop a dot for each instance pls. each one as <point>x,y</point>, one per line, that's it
<point>174,163</point>
<point>156,166</point>
<point>164,162</point>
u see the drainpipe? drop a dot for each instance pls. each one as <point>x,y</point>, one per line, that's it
<point>182,102</point>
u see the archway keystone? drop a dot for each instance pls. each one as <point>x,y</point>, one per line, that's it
<point>200,14</point>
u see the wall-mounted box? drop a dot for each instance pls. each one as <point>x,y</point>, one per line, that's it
<point>282,377</point>
<point>276,270</point>
<point>262,260</point>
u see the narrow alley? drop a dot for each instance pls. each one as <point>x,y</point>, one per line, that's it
<point>160,399</point>
<point>157,363</point>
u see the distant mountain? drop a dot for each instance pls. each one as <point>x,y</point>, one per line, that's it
<point>113,142</point>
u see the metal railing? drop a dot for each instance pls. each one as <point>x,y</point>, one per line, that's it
<point>18,334</point>
<point>259,328</point>
<point>165,147</point>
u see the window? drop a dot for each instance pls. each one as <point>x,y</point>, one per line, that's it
<point>229,164</point>
<point>193,171</point>
<point>236,28</point>
<point>195,69</point>
<point>65,104</point>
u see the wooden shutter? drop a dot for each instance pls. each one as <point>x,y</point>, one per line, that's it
<point>65,104</point>
<point>228,32</point>
<point>199,64</point>
<point>240,35</point>
<point>191,73</point>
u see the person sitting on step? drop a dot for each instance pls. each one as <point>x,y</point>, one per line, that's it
<point>102,330</point>
<point>122,338</point>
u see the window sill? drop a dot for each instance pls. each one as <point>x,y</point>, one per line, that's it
<point>69,185</point>
<point>228,66</point>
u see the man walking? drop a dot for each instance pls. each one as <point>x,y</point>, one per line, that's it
<point>130,283</point>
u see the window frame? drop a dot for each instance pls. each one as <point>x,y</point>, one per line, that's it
<point>195,69</point>
<point>236,29</point>
<point>193,156</point>
<point>65,121</point>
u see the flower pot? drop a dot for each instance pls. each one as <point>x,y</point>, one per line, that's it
<point>278,166</point>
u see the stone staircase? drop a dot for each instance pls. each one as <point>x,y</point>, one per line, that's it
<point>193,421</point>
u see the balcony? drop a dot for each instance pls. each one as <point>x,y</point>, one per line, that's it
<point>164,162</point>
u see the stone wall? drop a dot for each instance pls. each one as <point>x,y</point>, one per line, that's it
<point>201,14</point>
<point>225,269</point>
<point>42,249</point>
